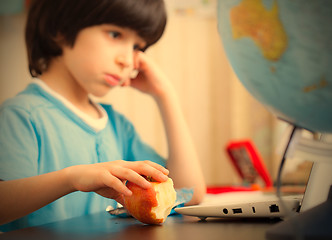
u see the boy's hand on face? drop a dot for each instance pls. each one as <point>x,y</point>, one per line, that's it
<point>108,179</point>
<point>150,79</point>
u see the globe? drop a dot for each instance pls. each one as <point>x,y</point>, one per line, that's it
<point>281,51</point>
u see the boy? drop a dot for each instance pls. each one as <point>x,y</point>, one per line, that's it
<point>57,147</point>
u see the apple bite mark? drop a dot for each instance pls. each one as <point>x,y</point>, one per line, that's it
<point>152,205</point>
<point>166,198</point>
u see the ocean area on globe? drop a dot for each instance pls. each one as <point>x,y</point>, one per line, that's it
<point>281,51</point>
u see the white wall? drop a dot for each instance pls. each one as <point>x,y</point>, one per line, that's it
<point>14,73</point>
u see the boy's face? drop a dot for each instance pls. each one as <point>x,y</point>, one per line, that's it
<point>102,57</point>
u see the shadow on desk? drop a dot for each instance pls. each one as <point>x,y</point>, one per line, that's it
<point>102,226</point>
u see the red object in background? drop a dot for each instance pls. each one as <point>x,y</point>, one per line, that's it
<point>248,164</point>
<point>224,189</point>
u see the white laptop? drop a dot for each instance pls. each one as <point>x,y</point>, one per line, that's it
<point>248,204</point>
<point>255,204</point>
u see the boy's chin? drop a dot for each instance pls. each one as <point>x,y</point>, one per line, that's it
<point>102,92</point>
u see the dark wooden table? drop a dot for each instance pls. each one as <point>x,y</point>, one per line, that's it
<point>103,226</point>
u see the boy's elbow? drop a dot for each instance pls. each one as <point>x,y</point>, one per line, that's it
<point>198,196</point>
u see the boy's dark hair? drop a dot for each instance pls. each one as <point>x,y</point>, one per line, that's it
<point>49,18</point>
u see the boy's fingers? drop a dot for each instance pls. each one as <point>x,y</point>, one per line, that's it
<point>115,183</point>
<point>150,170</point>
<point>132,176</point>
<point>157,166</point>
<point>133,171</point>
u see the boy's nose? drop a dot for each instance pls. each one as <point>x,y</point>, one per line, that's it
<point>123,61</point>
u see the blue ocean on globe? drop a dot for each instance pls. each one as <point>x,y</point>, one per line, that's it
<point>281,51</point>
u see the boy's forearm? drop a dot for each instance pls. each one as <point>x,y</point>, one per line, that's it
<point>23,196</point>
<point>183,161</point>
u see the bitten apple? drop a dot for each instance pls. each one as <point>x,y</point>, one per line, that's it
<point>152,205</point>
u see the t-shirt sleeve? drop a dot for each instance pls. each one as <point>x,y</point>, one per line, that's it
<point>134,148</point>
<point>18,144</point>
<point>139,150</point>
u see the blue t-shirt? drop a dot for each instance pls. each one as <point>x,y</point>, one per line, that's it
<point>39,134</point>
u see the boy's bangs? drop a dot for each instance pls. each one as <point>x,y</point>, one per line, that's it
<point>146,17</point>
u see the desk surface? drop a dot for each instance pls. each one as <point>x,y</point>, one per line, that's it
<point>102,226</point>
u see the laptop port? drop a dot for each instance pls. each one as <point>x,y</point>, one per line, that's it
<point>225,211</point>
<point>237,210</point>
<point>274,208</point>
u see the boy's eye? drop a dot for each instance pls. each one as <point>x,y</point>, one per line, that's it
<point>137,47</point>
<point>114,34</point>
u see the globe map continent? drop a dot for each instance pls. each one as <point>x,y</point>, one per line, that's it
<point>281,51</point>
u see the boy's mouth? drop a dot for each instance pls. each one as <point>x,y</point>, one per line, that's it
<point>112,80</point>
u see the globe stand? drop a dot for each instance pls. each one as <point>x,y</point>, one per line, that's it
<point>315,219</point>
<point>312,224</point>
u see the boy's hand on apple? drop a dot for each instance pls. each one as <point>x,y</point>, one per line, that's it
<point>108,179</point>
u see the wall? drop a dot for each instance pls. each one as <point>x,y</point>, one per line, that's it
<point>13,64</point>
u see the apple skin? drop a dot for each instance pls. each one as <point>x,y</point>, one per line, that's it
<point>143,203</point>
